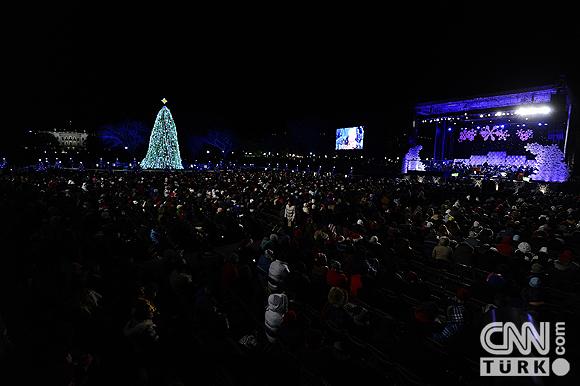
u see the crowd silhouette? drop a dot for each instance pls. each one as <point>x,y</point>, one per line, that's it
<point>272,277</point>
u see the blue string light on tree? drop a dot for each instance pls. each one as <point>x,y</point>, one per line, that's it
<point>163,152</point>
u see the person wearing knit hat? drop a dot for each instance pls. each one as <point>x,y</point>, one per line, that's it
<point>564,260</point>
<point>516,238</point>
<point>524,247</point>
<point>535,282</point>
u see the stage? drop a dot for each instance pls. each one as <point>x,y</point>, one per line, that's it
<point>515,132</point>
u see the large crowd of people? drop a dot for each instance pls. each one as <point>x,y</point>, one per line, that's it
<point>273,277</point>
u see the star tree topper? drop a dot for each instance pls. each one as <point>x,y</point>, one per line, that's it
<point>164,100</point>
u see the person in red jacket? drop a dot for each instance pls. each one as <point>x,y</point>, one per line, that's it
<point>505,247</point>
<point>335,277</point>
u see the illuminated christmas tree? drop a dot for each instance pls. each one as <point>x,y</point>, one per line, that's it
<point>163,150</point>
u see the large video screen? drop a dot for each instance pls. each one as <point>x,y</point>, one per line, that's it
<point>350,138</point>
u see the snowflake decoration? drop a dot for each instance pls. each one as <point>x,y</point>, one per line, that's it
<point>467,135</point>
<point>524,135</point>
<point>420,179</point>
<point>436,180</point>
<point>502,134</point>
<point>488,133</point>
<point>478,183</point>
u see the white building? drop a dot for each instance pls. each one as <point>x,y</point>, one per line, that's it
<point>70,139</point>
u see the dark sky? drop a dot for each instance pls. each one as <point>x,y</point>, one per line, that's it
<point>253,69</point>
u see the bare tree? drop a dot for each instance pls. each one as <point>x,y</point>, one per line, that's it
<point>221,139</point>
<point>126,134</point>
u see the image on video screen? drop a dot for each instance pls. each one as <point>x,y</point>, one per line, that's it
<point>349,138</point>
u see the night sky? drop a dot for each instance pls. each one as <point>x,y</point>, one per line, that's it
<point>252,70</point>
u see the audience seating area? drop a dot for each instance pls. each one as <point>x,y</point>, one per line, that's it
<point>273,278</point>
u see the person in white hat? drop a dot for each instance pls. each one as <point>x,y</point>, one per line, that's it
<point>524,251</point>
<point>524,247</point>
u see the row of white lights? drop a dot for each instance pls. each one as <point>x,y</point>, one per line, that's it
<point>522,111</point>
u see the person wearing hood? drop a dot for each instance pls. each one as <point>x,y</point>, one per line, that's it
<point>277,274</point>
<point>274,317</point>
